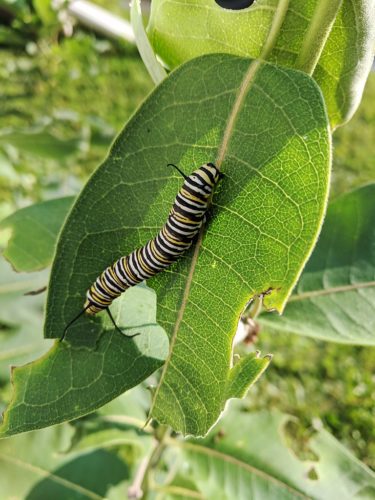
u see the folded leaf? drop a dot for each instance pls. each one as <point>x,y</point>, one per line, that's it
<point>156,70</point>
<point>182,29</point>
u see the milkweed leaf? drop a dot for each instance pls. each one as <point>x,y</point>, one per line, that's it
<point>267,127</point>
<point>73,380</point>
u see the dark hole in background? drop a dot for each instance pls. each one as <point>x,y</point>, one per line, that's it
<point>234,4</point>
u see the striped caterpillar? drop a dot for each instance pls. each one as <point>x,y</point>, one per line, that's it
<point>176,236</point>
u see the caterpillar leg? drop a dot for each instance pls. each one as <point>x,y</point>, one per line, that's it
<point>117,328</point>
<point>85,310</point>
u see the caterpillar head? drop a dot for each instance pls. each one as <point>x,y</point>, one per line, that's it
<point>205,178</point>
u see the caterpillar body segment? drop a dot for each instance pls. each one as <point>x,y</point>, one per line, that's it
<point>176,236</point>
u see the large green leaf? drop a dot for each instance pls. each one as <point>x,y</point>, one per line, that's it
<point>335,297</point>
<point>268,128</point>
<point>339,56</point>
<point>246,457</point>
<point>73,380</point>
<point>32,233</point>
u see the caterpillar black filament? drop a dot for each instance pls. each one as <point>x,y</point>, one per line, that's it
<point>176,236</point>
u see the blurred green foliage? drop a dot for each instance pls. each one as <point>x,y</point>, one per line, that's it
<point>354,152</point>
<point>61,106</point>
<point>68,97</point>
<point>24,20</point>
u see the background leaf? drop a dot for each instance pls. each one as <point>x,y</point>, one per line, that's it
<point>335,297</point>
<point>77,379</point>
<point>182,29</point>
<point>248,452</point>
<point>94,457</point>
<point>119,422</point>
<point>40,143</point>
<point>237,457</point>
<point>26,460</point>
<point>38,465</point>
<point>32,233</point>
<point>274,139</point>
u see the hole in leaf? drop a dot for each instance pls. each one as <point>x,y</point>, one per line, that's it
<point>312,474</point>
<point>297,438</point>
<point>8,328</point>
<point>234,4</point>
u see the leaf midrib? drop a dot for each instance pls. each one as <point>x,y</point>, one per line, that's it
<point>247,81</point>
<point>330,291</point>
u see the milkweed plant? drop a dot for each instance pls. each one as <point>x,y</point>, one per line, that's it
<point>256,89</point>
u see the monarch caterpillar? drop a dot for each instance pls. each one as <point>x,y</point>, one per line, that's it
<point>176,236</point>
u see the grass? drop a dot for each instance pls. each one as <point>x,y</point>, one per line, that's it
<point>80,92</point>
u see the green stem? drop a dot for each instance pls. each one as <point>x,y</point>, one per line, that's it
<point>161,434</point>
<point>256,308</point>
<point>277,21</point>
<point>317,35</point>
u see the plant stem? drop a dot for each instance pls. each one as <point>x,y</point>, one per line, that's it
<point>135,491</point>
<point>140,485</point>
<point>101,20</point>
<point>256,308</point>
<point>277,21</point>
<point>317,35</point>
<point>153,66</point>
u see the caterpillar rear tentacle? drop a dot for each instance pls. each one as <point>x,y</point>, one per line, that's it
<point>176,236</point>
